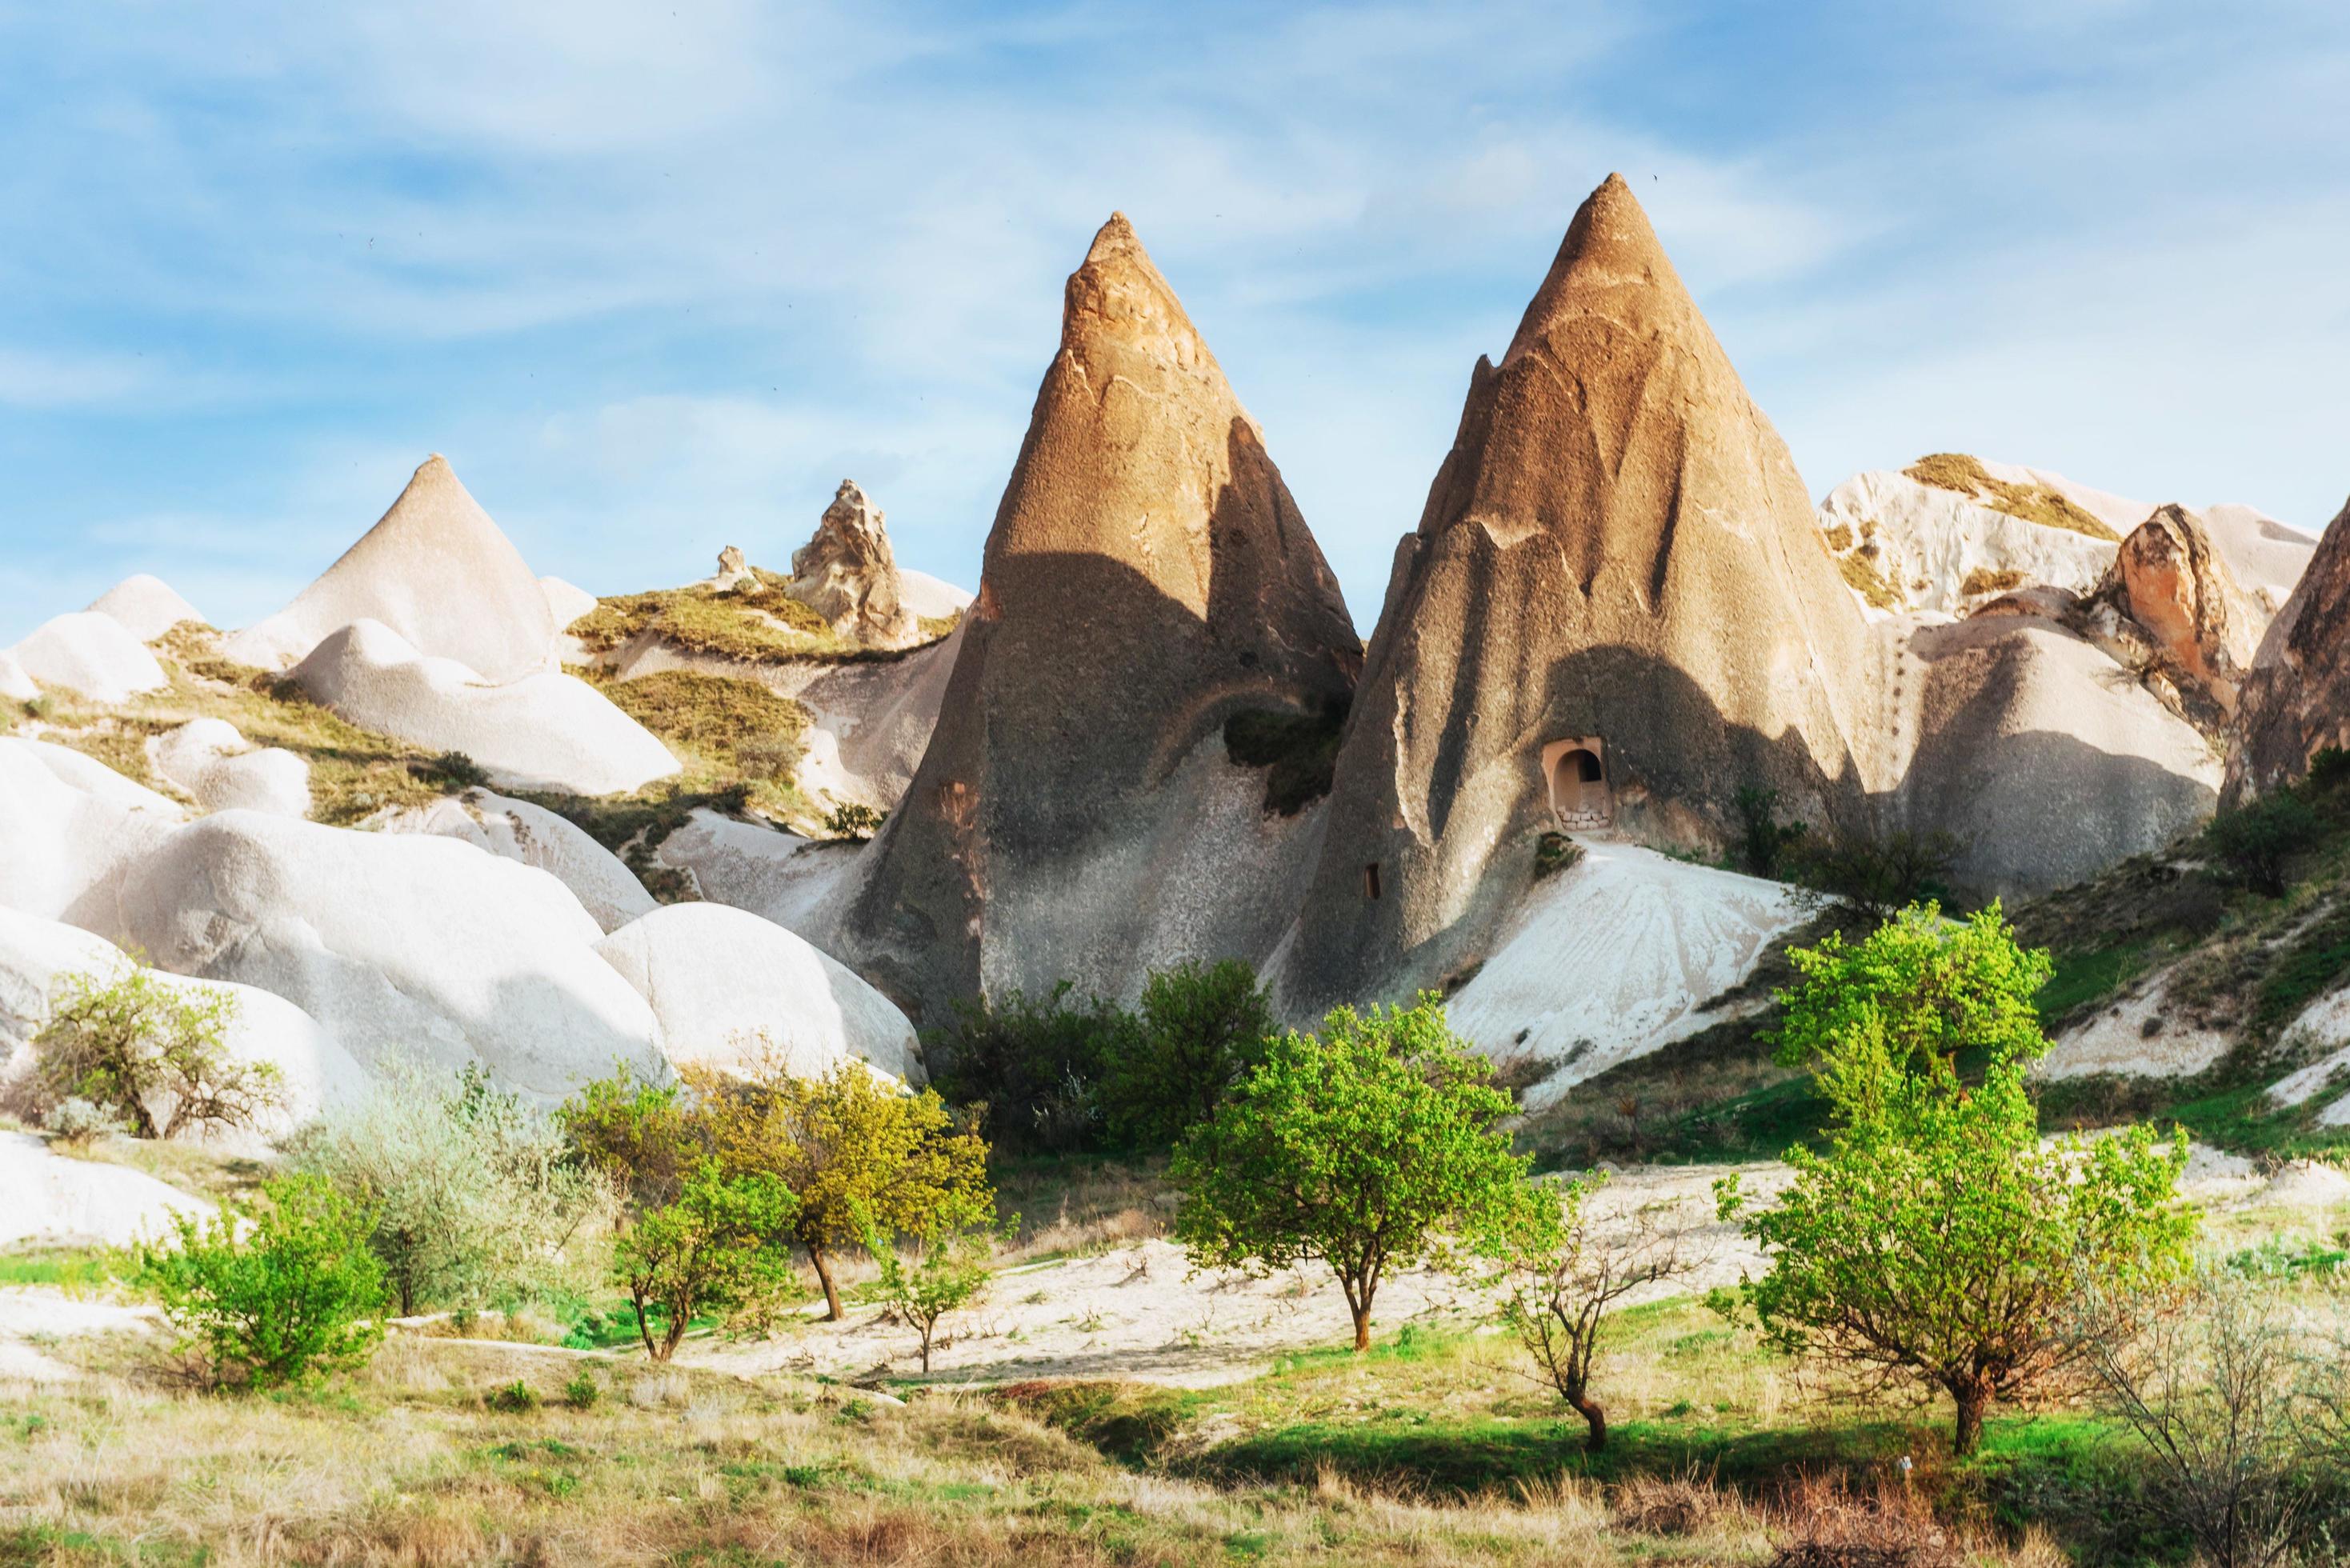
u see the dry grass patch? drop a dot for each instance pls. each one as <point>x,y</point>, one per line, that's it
<point>1960,471</point>
<point>1861,575</point>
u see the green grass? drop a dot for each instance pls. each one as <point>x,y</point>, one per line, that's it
<point>2086,976</point>
<point>68,1269</point>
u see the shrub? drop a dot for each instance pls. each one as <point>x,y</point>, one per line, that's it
<point>277,1296</point>
<point>1762,836</point>
<point>718,1246</point>
<point>2256,841</point>
<point>1875,874</point>
<point>1938,1239</point>
<point>455,773</point>
<point>640,1135</point>
<point>1371,1146</point>
<point>156,1056</point>
<point>1554,852</point>
<point>77,1123</point>
<point>855,1150</point>
<point>513,1398</point>
<point>1033,1069</point>
<point>853,821</point>
<point>472,1193</point>
<point>582,1392</point>
<point>1200,1030</point>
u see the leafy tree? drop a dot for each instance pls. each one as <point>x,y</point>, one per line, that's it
<point>642,1136</point>
<point>1567,1274</point>
<point>155,1055</point>
<point>1937,1239</point>
<point>2259,840</point>
<point>470,1191</point>
<point>714,1247</point>
<point>1201,1029</point>
<point>1371,1146</point>
<point>1033,1068</point>
<point>1875,874</point>
<point>276,1296</point>
<point>857,1151</point>
<point>949,1272</point>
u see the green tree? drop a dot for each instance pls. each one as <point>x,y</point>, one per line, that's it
<point>155,1055</point>
<point>1935,1239</point>
<point>1032,1067</point>
<point>642,1136</point>
<point>715,1247</point>
<point>274,1296</point>
<point>856,1150</point>
<point>1373,1145</point>
<point>471,1192</point>
<point>2259,840</point>
<point>949,1271</point>
<point>1200,1028</point>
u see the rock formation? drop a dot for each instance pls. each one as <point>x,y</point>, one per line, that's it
<point>930,597</point>
<point>564,602</point>
<point>220,771</point>
<point>728,986</point>
<point>394,942</point>
<point>546,731</point>
<point>1148,576</point>
<point>2168,605</point>
<point>733,570</point>
<point>1908,547</point>
<point>2296,699</point>
<point>436,570</point>
<point>533,836</point>
<point>1616,593</point>
<point>849,575</point>
<point>70,829</point>
<point>146,606</point>
<point>92,655</point>
<point>15,684</point>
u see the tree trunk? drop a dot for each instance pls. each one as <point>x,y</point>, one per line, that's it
<point>1972,1399</point>
<point>832,1313</point>
<point>1595,1418</point>
<point>1362,1325</point>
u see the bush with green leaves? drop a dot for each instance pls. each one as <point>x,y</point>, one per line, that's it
<point>642,1136</point>
<point>856,1150</point>
<point>473,1195</point>
<point>2256,841</point>
<point>1200,1029</point>
<point>1937,1241</point>
<point>154,1055</point>
<point>1874,873</point>
<point>1034,1067</point>
<point>281,1293</point>
<point>77,1124</point>
<point>1373,1145</point>
<point>853,821</point>
<point>720,1245</point>
<point>949,1270</point>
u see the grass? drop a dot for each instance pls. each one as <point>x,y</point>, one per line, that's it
<point>2039,504</point>
<point>1983,580</point>
<point>755,624</point>
<point>1862,575</point>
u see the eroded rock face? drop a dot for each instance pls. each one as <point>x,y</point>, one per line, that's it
<point>2296,699</point>
<point>849,575</point>
<point>733,569</point>
<point>2170,604</point>
<point>1148,576</point>
<point>1618,548</point>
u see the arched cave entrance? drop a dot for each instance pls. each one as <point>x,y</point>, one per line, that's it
<point>1576,770</point>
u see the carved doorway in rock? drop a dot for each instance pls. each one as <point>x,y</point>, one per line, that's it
<point>1576,770</point>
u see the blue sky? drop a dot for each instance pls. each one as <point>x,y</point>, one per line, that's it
<point>656,276</point>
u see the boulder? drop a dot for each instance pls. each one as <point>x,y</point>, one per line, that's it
<point>395,942</point>
<point>70,828</point>
<point>15,684</point>
<point>1147,577</point>
<point>437,571</point>
<point>91,654</point>
<point>565,603</point>
<point>532,835</point>
<point>39,957</point>
<point>221,771</point>
<point>2169,603</point>
<point>849,575</point>
<point>542,732</point>
<point>780,876</point>
<point>2296,699</point>
<point>1616,611</point>
<point>56,1201</point>
<point>733,570</point>
<point>146,606</point>
<point>727,985</point>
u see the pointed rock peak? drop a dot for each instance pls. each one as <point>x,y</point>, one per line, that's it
<point>1610,260</point>
<point>1118,298</point>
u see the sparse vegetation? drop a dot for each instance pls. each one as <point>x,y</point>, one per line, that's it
<point>949,1271</point>
<point>757,623</point>
<point>717,1246</point>
<point>1982,581</point>
<point>2256,841</point>
<point>853,821</point>
<point>2034,503</point>
<point>1873,872</point>
<point>1860,573</point>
